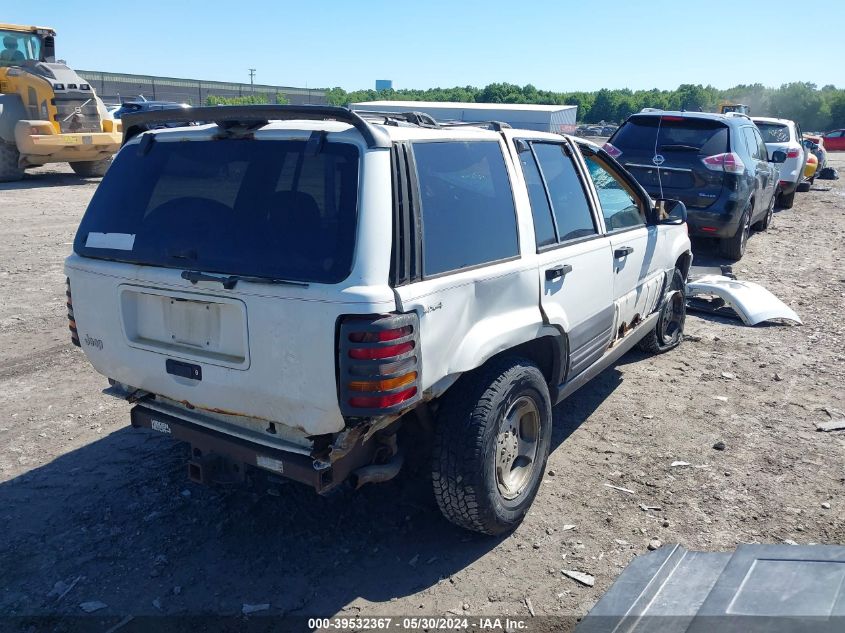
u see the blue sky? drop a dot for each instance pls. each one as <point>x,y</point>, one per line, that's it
<point>557,45</point>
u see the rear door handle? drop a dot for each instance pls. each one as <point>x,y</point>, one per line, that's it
<point>622,251</point>
<point>556,272</point>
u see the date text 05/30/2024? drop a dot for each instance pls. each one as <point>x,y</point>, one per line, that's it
<point>417,623</point>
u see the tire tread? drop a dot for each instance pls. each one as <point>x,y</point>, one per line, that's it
<point>459,444</point>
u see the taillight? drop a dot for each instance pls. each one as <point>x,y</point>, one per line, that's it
<point>71,320</point>
<point>728,162</point>
<point>612,150</point>
<point>378,364</point>
<point>793,152</point>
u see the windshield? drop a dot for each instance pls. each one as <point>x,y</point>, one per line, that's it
<point>19,47</point>
<point>676,134</point>
<point>243,207</point>
<point>773,132</point>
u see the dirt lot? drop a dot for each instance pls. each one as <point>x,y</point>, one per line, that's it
<point>88,504</point>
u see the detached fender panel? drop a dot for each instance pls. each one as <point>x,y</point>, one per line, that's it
<point>752,303</point>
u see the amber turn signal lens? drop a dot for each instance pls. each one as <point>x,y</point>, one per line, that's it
<point>382,385</point>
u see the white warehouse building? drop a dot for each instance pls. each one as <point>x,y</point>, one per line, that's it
<point>544,118</point>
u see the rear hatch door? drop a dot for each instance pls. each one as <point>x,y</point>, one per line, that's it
<point>214,273</point>
<point>776,136</point>
<point>665,154</point>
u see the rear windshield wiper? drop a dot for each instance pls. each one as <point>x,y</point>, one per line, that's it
<point>680,147</point>
<point>231,281</point>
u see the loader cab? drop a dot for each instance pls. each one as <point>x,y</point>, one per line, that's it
<point>21,44</point>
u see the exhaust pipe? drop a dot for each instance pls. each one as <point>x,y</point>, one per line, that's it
<point>378,473</point>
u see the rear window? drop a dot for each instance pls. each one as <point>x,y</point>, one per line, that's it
<point>773,132</point>
<point>651,134</point>
<point>257,208</point>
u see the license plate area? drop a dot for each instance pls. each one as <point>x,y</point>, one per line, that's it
<point>187,326</point>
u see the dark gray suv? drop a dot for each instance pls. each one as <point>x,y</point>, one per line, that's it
<point>716,164</point>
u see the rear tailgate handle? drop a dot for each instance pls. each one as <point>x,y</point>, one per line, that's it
<point>185,370</point>
<point>556,272</point>
<point>622,251</point>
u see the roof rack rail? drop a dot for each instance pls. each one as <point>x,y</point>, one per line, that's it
<point>742,114</point>
<point>496,126</point>
<point>257,114</point>
<point>411,116</point>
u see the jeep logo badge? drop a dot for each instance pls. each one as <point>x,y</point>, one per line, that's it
<point>658,159</point>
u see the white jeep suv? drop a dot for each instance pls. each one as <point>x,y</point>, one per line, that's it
<point>785,135</point>
<point>285,286</point>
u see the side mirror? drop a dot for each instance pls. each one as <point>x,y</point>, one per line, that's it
<point>670,211</point>
<point>778,156</point>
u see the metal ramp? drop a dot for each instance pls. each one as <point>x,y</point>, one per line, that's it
<point>757,589</point>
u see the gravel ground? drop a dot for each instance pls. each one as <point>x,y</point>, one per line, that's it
<point>93,511</point>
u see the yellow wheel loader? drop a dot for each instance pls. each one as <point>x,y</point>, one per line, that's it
<point>48,113</point>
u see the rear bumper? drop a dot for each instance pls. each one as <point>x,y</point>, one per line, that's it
<point>719,220</point>
<point>217,457</point>
<point>787,187</point>
<point>38,149</point>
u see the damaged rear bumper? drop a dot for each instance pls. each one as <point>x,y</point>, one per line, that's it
<point>221,458</point>
<point>751,302</point>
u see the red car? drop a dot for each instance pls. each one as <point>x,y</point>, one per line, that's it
<point>835,140</point>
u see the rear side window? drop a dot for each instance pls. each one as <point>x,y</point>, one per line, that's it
<point>655,134</point>
<point>544,228</point>
<point>258,208</point>
<point>468,214</point>
<point>774,132</point>
<point>573,218</point>
<point>751,143</point>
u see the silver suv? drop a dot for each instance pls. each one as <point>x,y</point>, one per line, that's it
<point>285,287</point>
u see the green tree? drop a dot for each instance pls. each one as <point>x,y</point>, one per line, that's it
<point>337,96</point>
<point>802,102</point>
<point>837,111</point>
<point>604,107</point>
<point>258,99</point>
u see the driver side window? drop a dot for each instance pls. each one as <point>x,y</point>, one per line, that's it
<point>619,206</point>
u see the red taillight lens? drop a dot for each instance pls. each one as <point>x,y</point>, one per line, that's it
<point>71,319</point>
<point>672,118</point>
<point>378,364</point>
<point>612,150</point>
<point>376,353</point>
<point>377,337</point>
<point>728,162</point>
<point>793,152</point>
<point>382,402</point>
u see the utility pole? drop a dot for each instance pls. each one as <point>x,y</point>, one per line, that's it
<point>251,79</point>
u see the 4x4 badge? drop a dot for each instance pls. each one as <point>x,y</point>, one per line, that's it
<point>658,160</point>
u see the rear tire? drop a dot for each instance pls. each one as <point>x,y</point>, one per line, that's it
<point>786,200</point>
<point>766,222</point>
<point>9,156</point>
<point>804,187</point>
<point>491,445</point>
<point>92,168</point>
<point>668,332</point>
<point>733,248</point>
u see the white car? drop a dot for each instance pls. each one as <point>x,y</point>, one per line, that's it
<point>785,135</point>
<point>287,286</point>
